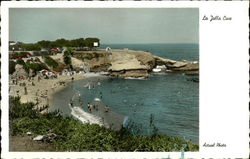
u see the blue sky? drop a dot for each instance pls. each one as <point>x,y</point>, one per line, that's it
<point>159,25</point>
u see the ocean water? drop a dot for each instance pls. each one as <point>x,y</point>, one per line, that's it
<point>171,100</point>
<point>172,51</point>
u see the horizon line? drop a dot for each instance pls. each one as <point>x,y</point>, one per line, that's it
<point>144,43</point>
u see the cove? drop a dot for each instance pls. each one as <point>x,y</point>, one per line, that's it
<point>172,100</point>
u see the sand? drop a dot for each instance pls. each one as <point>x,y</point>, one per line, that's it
<point>42,91</point>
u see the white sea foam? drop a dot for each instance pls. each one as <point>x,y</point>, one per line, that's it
<point>125,122</point>
<point>90,74</point>
<point>85,117</point>
<point>139,78</point>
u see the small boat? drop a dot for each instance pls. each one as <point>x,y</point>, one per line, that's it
<point>156,70</point>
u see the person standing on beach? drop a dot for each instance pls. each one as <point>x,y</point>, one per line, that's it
<point>25,91</point>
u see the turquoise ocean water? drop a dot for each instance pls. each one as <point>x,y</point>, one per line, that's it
<point>172,51</point>
<point>171,100</point>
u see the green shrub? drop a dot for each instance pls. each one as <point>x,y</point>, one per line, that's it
<point>67,59</point>
<point>75,136</point>
<point>19,110</point>
<point>50,62</point>
<point>31,47</point>
<point>21,62</point>
<point>12,67</point>
<point>36,66</point>
<point>91,55</point>
<point>15,53</point>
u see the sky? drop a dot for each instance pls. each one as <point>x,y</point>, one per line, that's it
<point>110,25</point>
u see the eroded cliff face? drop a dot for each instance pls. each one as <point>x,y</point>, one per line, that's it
<point>130,63</point>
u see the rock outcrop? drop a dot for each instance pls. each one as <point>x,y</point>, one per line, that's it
<point>130,63</point>
<point>188,67</point>
<point>118,62</point>
<point>126,63</point>
<point>97,61</point>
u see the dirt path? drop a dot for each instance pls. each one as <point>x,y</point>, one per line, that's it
<point>25,143</point>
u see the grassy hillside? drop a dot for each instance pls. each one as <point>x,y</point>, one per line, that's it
<point>71,135</point>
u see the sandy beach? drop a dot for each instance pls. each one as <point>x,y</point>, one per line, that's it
<point>41,91</point>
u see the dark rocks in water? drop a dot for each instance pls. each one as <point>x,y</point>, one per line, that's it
<point>129,73</point>
<point>189,67</point>
<point>192,73</point>
<point>193,79</point>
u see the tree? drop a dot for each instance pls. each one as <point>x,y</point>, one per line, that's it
<point>80,42</point>
<point>67,57</point>
<point>36,66</point>
<point>70,52</point>
<point>31,47</point>
<point>44,44</point>
<point>72,43</point>
<point>61,42</point>
<point>67,60</point>
<point>89,42</point>
<point>76,43</point>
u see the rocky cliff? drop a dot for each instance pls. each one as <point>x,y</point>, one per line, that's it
<point>130,63</point>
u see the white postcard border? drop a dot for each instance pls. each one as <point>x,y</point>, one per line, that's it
<point>224,114</point>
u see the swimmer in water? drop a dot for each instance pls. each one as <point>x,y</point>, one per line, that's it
<point>81,103</point>
<point>106,109</point>
<point>71,103</point>
<point>91,108</point>
<point>79,96</point>
<point>101,95</point>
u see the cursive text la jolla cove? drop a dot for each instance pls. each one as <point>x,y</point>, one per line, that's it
<point>216,18</point>
<point>218,144</point>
